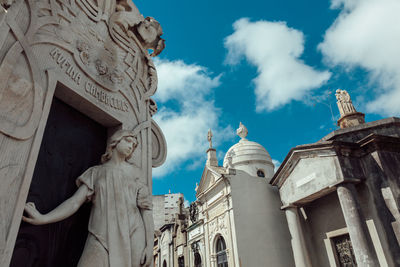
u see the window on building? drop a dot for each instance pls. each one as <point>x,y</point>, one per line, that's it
<point>164,263</point>
<point>344,251</point>
<point>197,260</point>
<point>260,173</point>
<point>222,259</point>
<point>181,262</point>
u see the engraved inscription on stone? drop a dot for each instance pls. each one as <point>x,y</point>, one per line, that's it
<point>105,98</point>
<point>65,65</point>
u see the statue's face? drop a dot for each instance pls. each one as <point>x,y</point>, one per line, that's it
<point>126,146</point>
<point>147,31</point>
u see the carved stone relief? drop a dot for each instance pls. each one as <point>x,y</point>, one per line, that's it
<point>98,50</point>
<point>218,226</point>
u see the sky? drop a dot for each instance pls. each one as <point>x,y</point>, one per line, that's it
<point>272,65</point>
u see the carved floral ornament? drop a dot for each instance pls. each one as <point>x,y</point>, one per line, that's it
<point>103,42</point>
<point>218,226</point>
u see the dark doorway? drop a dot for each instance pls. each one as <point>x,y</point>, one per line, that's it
<point>197,260</point>
<point>71,143</point>
<point>181,261</point>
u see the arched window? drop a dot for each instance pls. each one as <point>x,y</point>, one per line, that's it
<point>197,260</point>
<point>164,263</point>
<point>222,259</point>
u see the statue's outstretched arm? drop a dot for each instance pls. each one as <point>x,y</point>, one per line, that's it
<point>147,255</point>
<point>64,210</point>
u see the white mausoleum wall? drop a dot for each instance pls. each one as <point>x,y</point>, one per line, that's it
<point>263,237</point>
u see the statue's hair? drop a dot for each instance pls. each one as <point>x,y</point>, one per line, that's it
<point>155,24</point>
<point>113,142</point>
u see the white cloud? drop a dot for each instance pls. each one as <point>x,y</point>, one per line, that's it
<point>277,164</point>
<point>275,50</point>
<point>186,113</point>
<point>186,203</point>
<point>366,34</point>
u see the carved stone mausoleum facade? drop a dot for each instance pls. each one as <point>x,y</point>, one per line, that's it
<point>72,72</point>
<point>341,195</point>
<point>236,220</point>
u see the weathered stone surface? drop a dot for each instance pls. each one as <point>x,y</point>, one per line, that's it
<point>348,114</point>
<point>92,56</point>
<point>367,155</point>
<point>355,221</point>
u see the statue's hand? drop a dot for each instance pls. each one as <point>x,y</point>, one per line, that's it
<point>35,217</point>
<point>147,256</point>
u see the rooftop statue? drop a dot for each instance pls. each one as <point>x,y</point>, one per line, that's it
<point>121,220</point>
<point>242,131</point>
<point>209,137</point>
<point>348,114</point>
<point>344,102</point>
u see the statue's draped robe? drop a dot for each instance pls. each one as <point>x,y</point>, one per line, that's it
<point>115,221</point>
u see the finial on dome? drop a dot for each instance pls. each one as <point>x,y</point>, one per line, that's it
<point>242,131</point>
<point>209,137</point>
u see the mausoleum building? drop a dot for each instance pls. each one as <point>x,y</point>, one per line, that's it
<point>236,220</point>
<point>341,194</point>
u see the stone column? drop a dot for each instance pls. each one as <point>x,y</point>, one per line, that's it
<point>357,227</point>
<point>300,253</point>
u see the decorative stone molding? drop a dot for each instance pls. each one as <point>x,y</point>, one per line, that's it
<point>96,54</point>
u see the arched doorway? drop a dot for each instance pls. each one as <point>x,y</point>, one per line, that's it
<point>197,260</point>
<point>222,259</point>
<point>164,263</point>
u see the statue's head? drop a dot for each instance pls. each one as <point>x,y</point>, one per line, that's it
<point>149,31</point>
<point>113,142</point>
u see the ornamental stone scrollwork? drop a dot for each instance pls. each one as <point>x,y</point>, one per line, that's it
<point>152,107</point>
<point>105,40</point>
<point>222,224</point>
<point>218,225</point>
<point>93,56</point>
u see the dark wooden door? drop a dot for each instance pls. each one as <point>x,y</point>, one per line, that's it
<point>72,142</point>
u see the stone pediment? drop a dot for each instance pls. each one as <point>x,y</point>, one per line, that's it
<point>310,171</point>
<point>209,178</point>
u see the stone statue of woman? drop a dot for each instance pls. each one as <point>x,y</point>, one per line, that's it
<point>121,224</point>
<point>344,102</point>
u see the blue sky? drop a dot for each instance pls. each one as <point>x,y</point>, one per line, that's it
<point>272,65</point>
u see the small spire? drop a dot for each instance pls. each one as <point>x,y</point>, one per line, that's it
<point>209,137</point>
<point>242,131</point>
<point>211,152</point>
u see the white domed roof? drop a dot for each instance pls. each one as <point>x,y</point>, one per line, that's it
<point>246,151</point>
<point>248,156</point>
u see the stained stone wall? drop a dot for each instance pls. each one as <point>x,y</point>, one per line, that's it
<point>345,186</point>
<point>91,56</point>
